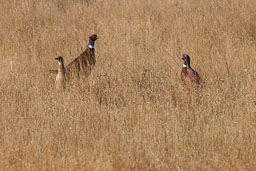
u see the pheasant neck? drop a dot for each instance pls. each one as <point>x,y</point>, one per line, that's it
<point>61,66</point>
<point>91,44</point>
<point>186,65</point>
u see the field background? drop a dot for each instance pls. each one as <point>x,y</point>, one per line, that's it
<point>133,112</point>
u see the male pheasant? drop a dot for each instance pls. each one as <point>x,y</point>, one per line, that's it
<point>188,75</point>
<point>82,66</point>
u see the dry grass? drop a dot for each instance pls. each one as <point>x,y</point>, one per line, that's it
<point>138,116</point>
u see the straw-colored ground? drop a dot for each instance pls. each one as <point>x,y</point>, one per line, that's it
<point>133,113</point>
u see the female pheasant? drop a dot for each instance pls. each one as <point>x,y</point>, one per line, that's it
<point>83,64</point>
<point>187,73</point>
<point>60,78</point>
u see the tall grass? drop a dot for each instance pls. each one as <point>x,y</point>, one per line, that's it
<point>133,112</point>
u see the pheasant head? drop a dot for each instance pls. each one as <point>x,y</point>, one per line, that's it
<point>59,59</point>
<point>92,39</point>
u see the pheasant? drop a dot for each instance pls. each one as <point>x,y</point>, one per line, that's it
<point>83,64</point>
<point>60,78</point>
<point>187,73</point>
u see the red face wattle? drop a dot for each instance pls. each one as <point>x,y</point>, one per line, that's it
<point>93,37</point>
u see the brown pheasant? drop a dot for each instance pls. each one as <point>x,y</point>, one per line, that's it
<point>82,66</point>
<point>60,78</point>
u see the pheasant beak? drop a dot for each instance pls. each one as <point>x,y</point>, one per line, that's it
<point>97,37</point>
<point>56,58</point>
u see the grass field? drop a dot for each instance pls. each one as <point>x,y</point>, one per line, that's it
<point>133,112</point>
